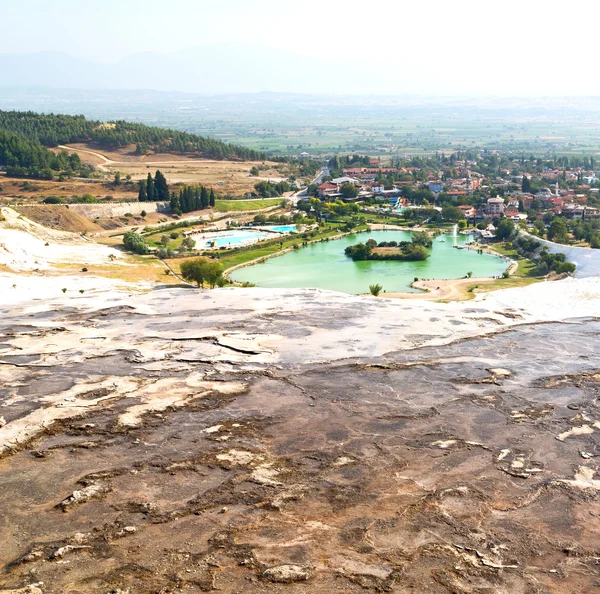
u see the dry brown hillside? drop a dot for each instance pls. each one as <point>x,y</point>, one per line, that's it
<point>57,217</point>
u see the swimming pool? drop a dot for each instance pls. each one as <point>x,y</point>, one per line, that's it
<point>208,241</point>
<point>282,228</point>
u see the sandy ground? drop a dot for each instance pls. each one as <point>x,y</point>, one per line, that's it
<point>450,289</point>
<point>27,246</point>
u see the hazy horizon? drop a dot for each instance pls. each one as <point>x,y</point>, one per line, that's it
<point>397,48</point>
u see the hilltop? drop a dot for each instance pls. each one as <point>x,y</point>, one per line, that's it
<point>26,137</point>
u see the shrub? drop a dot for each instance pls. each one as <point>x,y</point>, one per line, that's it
<point>85,199</point>
<point>375,289</point>
<point>135,243</point>
<point>164,253</point>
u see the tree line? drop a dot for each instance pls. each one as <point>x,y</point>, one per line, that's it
<point>51,130</point>
<point>190,198</point>
<point>266,189</point>
<point>186,199</point>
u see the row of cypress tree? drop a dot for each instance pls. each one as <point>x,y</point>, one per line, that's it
<point>153,189</point>
<point>187,199</point>
<point>191,198</point>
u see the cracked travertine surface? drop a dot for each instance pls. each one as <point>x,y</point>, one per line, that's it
<point>301,441</point>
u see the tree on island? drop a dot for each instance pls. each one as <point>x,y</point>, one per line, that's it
<point>422,238</point>
<point>408,251</point>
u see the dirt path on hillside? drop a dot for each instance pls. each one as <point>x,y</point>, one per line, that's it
<point>104,161</point>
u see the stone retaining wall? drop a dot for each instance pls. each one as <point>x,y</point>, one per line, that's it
<point>118,209</point>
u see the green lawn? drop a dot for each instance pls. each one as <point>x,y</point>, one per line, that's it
<point>235,205</point>
<point>525,267</point>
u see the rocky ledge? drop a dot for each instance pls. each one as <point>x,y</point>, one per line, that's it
<point>301,441</point>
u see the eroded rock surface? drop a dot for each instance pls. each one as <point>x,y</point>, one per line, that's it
<point>180,442</point>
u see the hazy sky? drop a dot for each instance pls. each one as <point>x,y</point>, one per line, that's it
<point>540,47</point>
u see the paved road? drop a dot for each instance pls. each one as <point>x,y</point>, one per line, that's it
<point>301,194</point>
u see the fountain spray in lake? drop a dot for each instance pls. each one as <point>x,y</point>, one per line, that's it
<point>454,229</point>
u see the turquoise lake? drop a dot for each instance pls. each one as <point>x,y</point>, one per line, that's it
<point>325,266</point>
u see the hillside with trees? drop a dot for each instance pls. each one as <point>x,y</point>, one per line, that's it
<point>23,157</point>
<point>51,130</point>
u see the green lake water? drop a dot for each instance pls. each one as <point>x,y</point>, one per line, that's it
<point>325,266</point>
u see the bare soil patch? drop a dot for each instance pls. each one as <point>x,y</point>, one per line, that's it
<point>227,177</point>
<point>59,218</point>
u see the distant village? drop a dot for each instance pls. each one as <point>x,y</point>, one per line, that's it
<point>524,190</point>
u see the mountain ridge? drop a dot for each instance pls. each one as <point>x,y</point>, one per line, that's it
<point>214,69</point>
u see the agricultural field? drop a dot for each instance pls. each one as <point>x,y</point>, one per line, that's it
<point>317,124</point>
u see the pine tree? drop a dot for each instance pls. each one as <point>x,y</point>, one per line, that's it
<point>212,198</point>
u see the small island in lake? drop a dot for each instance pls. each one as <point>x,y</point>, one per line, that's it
<point>412,251</point>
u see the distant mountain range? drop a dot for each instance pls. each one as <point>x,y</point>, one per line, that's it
<point>212,69</point>
<point>242,68</point>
